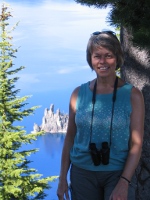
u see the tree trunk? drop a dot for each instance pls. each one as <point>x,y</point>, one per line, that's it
<point>136,70</point>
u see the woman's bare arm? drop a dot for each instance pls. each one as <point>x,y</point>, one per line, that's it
<point>137,131</point>
<point>136,141</point>
<point>68,143</point>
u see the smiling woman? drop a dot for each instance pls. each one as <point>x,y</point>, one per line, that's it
<point>104,138</point>
<point>53,36</point>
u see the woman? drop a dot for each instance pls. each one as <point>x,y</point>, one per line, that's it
<point>105,130</point>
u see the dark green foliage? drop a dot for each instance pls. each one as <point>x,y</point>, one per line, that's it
<point>17,180</point>
<point>132,14</point>
<point>98,4</point>
<point>135,16</point>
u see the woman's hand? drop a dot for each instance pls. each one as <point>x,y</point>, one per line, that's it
<point>120,192</point>
<point>63,190</point>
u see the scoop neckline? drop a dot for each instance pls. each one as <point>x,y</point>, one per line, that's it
<point>102,94</point>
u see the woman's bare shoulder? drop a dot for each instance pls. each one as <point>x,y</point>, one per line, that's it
<point>73,99</point>
<point>136,95</point>
<point>137,101</point>
<point>75,92</point>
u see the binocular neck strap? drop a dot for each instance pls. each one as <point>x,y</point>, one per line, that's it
<point>112,112</point>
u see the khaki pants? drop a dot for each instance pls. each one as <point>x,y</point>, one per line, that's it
<point>94,185</point>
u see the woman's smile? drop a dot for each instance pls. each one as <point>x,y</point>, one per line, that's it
<point>103,68</point>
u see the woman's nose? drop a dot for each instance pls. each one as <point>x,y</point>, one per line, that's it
<point>102,59</point>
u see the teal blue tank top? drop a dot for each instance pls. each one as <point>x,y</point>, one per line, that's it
<point>79,154</point>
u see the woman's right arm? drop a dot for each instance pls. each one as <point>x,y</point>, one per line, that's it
<point>68,143</point>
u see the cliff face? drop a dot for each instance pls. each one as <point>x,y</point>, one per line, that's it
<point>52,122</point>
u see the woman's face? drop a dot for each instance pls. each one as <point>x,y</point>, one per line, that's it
<point>103,61</point>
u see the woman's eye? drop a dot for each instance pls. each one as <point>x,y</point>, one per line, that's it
<point>109,56</point>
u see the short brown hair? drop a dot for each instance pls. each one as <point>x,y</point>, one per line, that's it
<point>108,41</point>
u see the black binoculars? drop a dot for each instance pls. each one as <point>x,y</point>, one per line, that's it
<point>100,156</point>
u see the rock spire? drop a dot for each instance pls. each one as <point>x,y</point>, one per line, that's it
<point>52,122</point>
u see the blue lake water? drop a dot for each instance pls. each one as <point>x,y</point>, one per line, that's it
<point>47,159</point>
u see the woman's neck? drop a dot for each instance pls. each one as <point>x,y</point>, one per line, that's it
<point>106,81</point>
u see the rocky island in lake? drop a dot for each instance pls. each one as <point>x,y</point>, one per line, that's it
<point>52,122</point>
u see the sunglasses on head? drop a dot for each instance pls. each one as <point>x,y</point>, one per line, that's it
<point>107,32</point>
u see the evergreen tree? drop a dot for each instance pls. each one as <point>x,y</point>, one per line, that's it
<point>17,180</point>
<point>132,14</point>
<point>133,18</point>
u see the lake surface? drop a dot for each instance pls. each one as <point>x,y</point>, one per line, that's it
<point>47,159</point>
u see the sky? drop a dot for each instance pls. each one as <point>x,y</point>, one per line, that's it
<point>52,36</point>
